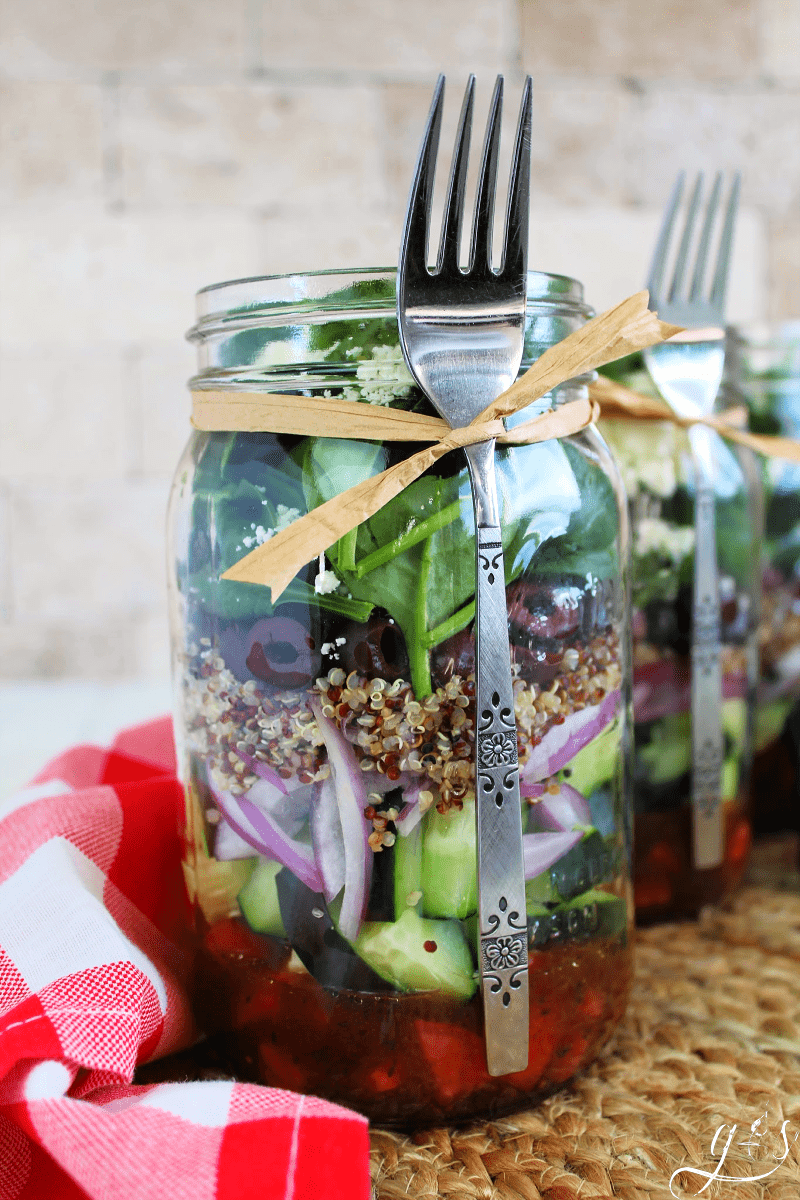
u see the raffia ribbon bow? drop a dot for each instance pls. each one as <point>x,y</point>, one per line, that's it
<point>617,401</point>
<point>627,327</point>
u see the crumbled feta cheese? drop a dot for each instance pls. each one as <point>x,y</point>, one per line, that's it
<point>326,581</point>
<point>285,518</point>
<point>655,534</point>
<point>384,377</point>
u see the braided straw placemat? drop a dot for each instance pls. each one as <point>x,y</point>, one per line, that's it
<point>711,1038</point>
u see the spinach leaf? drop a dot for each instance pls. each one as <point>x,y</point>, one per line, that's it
<point>416,556</point>
<point>589,545</point>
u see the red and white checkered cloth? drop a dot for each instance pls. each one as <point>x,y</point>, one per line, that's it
<point>94,968</point>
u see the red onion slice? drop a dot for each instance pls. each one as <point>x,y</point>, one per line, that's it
<point>411,814</point>
<point>228,845</point>
<point>560,811</point>
<point>265,835</point>
<point>351,796</point>
<point>541,850</point>
<point>328,840</point>
<point>562,742</point>
<point>265,771</point>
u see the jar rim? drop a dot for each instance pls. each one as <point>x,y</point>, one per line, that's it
<point>268,298</point>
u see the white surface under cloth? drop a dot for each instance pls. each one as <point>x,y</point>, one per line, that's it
<point>39,719</point>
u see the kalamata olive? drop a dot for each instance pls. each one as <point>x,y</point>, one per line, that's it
<point>282,652</point>
<point>546,612</point>
<point>378,652</point>
<point>455,656</point>
<point>537,664</point>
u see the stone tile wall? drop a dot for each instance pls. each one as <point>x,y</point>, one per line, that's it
<point>149,149</point>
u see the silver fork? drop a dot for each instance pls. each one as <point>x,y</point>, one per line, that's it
<point>462,338</point>
<point>688,374</point>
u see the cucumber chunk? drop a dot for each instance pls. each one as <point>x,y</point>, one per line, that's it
<point>258,899</point>
<point>596,764</point>
<point>449,863</point>
<point>416,954</point>
<point>408,871</point>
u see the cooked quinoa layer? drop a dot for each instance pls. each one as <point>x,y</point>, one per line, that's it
<point>232,724</point>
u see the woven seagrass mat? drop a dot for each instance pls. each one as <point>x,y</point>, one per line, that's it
<point>711,1038</point>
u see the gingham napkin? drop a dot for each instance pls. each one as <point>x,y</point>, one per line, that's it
<point>94,972</point>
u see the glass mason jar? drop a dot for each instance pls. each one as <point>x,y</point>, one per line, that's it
<point>763,371</point>
<point>326,741</point>
<point>656,461</point>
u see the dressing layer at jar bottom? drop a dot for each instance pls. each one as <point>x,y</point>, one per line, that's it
<point>404,1060</point>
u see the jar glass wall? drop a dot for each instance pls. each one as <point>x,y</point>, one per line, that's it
<point>656,460</point>
<point>326,740</point>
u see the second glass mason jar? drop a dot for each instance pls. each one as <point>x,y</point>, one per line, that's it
<point>327,739</point>
<point>656,461</point>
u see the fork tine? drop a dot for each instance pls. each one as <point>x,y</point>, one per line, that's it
<point>457,187</point>
<point>414,244</point>
<point>696,290</point>
<point>484,200</point>
<point>659,263</point>
<point>720,284</point>
<point>515,250</point>
<point>686,239</point>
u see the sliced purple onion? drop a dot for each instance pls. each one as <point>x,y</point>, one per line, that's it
<point>410,814</point>
<point>265,771</point>
<point>266,836</point>
<point>541,850</point>
<point>228,845</point>
<point>561,811</point>
<point>351,797</point>
<point>328,840</point>
<point>290,809</point>
<point>562,742</point>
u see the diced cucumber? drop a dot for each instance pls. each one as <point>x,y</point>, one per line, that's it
<point>612,911</point>
<point>770,720</point>
<point>734,721</point>
<point>595,764</point>
<point>408,871</point>
<point>668,754</point>
<point>449,863</point>
<point>540,891</point>
<point>415,954</point>
<point>258,899</point>
<point>729,778</point>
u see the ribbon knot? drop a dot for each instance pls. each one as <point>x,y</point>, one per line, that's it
<point>627,327</point>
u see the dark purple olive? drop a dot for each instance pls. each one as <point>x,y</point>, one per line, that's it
<point>545,612</point>
<point>456,656</point>
<point>281,651</point>
<point>537,664</point>
<point>378,652</point>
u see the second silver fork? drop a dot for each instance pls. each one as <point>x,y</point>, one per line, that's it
<point>688,374</point>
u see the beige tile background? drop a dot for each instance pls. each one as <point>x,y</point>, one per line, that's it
<point>149,148</point>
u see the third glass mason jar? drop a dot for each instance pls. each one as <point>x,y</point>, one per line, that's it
<point>656,461</point>
<point>763,371</point>
<point>327,739</point>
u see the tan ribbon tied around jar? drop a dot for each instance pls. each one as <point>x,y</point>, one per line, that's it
<point>616,401</point>
<point>624,329</point>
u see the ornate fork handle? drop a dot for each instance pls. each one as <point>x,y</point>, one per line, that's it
<point>502,917</point>
<point>707,738</point>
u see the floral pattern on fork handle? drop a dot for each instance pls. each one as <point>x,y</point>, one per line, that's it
<point>707,737</point>
<point>502,916</point>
